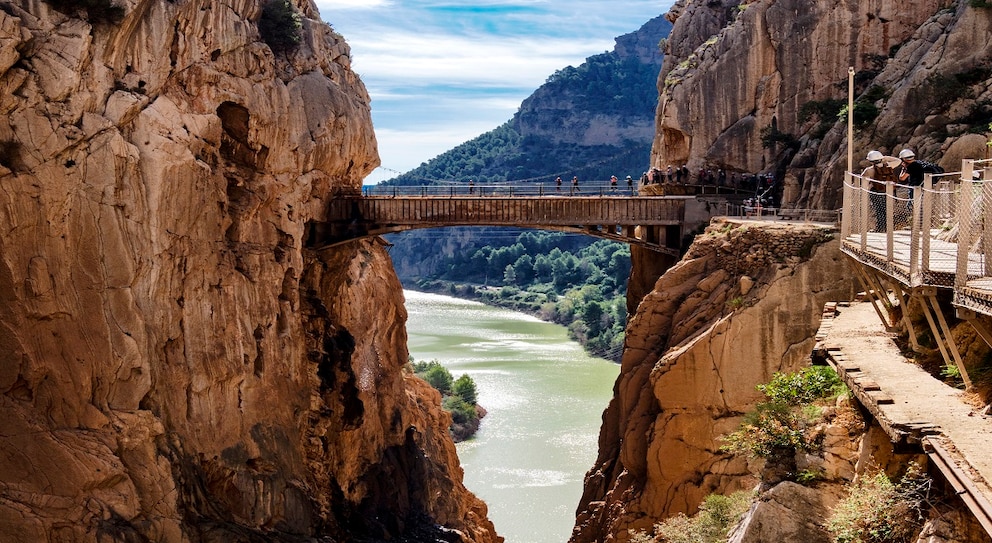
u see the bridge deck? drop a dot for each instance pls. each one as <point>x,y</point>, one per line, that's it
<point>510,211</point>
<point>654,222</point>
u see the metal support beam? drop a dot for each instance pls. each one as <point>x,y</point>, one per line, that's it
<point>906,302</point>
<point>942,333</point>
<point>875,295</point>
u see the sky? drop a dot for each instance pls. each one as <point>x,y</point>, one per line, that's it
<point>442,72</point>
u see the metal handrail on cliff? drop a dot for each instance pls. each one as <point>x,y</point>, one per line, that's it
<point>902,231</point>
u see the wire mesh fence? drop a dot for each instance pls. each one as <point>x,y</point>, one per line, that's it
<point>938,234</point>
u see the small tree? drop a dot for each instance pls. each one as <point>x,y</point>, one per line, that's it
<point>280,25</point>
<point>464,388</point>
<point>435,374</point>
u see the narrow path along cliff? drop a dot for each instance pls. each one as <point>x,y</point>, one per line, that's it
<point>908,402</point>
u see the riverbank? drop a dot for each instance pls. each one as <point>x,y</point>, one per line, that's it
<point>607,343</point>
<point>545,399</point>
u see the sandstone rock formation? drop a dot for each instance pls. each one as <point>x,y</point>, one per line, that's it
<point>742,84</point>
<point>744,303</point>
<point>177,364</point>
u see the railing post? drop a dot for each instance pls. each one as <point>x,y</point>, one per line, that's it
<point>965,198</point>
<point>915,278</point>
<point>890,205</point>
<point>984,231</point>
<point>845,221</point>
<point>929,195</point>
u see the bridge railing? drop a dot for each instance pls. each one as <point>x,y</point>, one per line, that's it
<point>903,230</point>
<point>595,188</point>
<point>973,273</point>
<point>539,189</point>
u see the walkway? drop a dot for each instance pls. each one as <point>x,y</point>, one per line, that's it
<point>921,249</point>
<point>912,406</point>
<point>654,222</point>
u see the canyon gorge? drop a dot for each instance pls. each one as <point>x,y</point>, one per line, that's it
<point>179,365</point>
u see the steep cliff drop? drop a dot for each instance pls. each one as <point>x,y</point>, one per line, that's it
<point>744,303</point>
<point>177,365</point>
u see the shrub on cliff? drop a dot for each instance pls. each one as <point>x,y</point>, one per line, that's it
<point>280,25</point>
<point>716,517</point>
<point>779,427</point>
<point>458,397</point>
<point>876,510</point>
<point>97,11</point>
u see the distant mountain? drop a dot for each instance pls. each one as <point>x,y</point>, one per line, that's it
<point>591,121</point>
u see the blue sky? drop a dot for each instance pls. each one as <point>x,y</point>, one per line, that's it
<point>442,72</point>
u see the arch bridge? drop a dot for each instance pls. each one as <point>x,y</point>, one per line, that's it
<point>653,222</point>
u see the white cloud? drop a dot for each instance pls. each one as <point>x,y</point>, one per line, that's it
<point>441,72</point>
<point>412,59</point>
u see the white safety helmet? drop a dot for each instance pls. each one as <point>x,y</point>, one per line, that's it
<point>907,153</point>
<point>874,156</point>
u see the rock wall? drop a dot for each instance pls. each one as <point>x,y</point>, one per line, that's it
<point>742,82</point>
<point>744,303</point>
<point>177,365</point>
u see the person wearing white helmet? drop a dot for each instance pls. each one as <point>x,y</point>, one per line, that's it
<point>883,170</point>
<point>912,170</point>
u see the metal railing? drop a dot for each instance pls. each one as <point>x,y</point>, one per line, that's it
<point>913,234</point>
<point>591,188</point>
<point>973,279</point>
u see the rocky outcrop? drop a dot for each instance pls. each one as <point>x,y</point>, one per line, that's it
<point>177,365</point>
<point>757,87</point>
<point>568,110</point>
<point>724,319</point>
<point>787,512</point>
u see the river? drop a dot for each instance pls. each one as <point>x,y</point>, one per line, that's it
<point>545,397</point>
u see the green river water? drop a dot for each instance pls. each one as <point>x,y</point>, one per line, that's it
<point>545,397</point>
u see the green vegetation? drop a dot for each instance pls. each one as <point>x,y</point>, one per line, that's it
<point>458,397</point>
<point>779,427</point>
<point>502,154</point>
<point>97,11</point>
<point>825,112</point>
<point>607,84</point>
<point>280,26</point>
<point>771,136</point>
<point>877,510</point>
<point>567,279</point>
<point>712,524</point>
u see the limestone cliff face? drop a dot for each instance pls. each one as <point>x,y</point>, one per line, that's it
<point>735,72</point>
<point>744,303</point>
<point>177,366</point>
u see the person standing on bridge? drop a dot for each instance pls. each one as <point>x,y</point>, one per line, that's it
<point>471,186</point>
<point>630,184</point>
<point>881,172</point>
<point>613,183</point>
<point>558,184</point>
<point>575,184</point>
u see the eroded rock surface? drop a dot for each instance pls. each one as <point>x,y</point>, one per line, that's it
<point>756,87</point>
<point>177,365</point>
<point>744,303</point>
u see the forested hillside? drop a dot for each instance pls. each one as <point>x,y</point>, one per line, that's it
<point>564,278</point>
<point>590,121</point>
